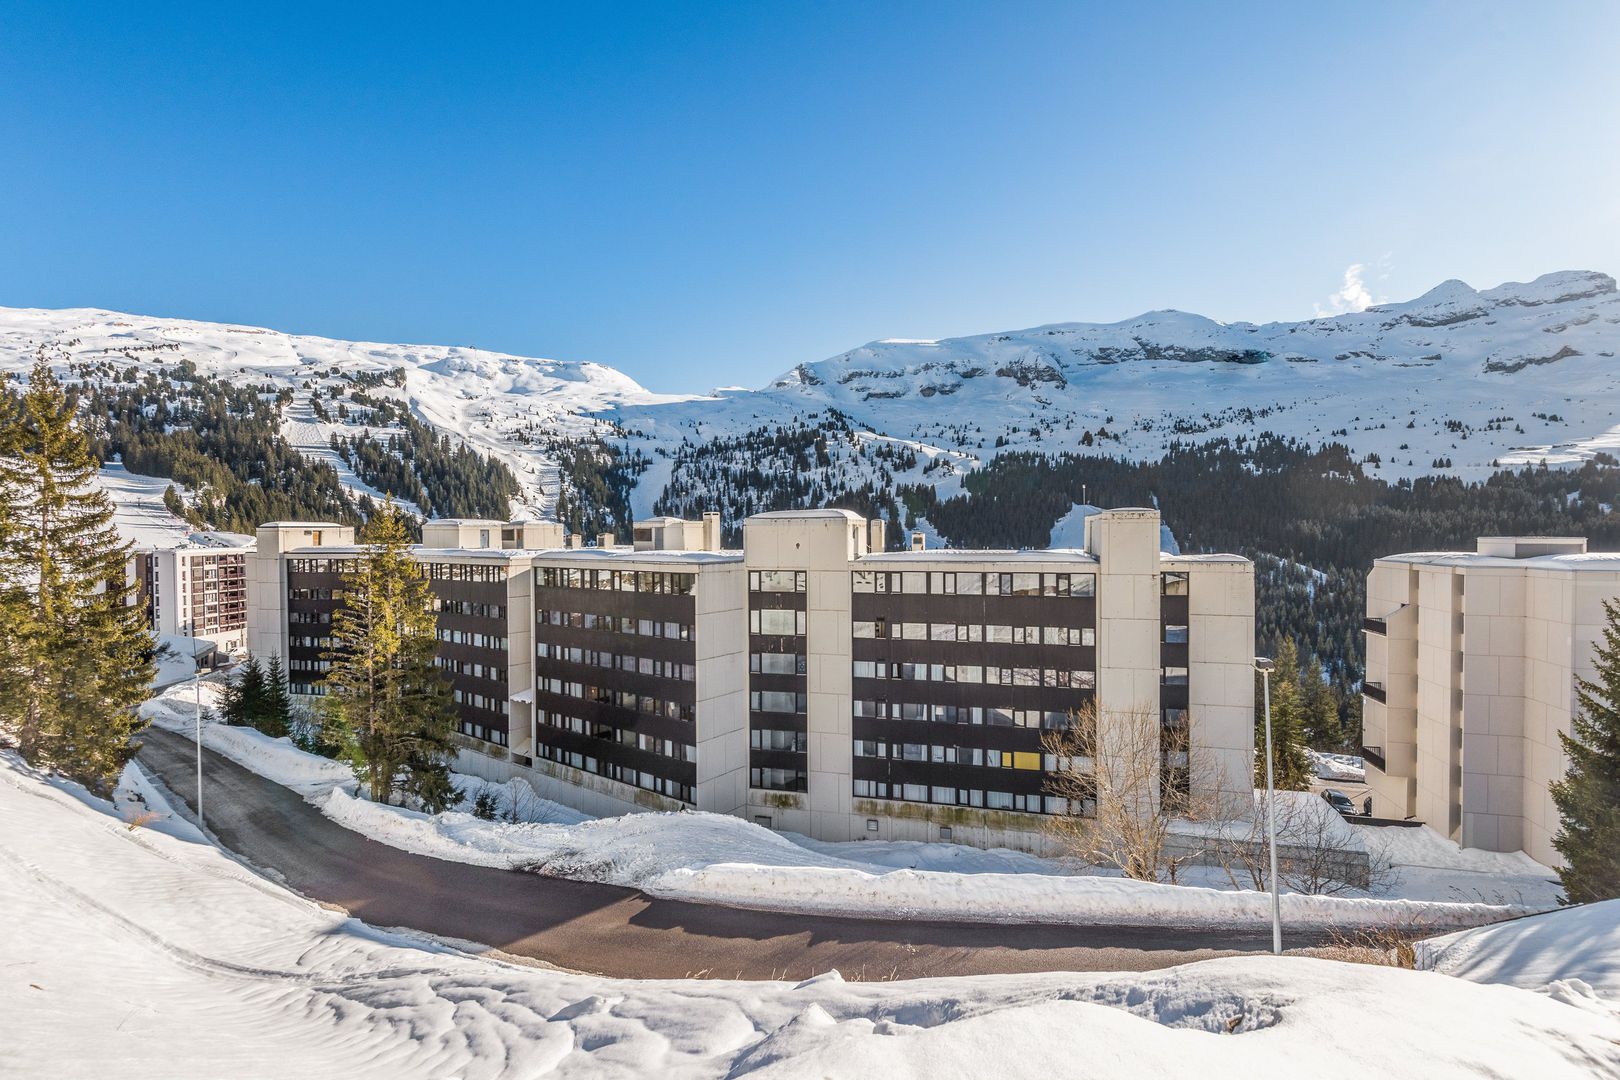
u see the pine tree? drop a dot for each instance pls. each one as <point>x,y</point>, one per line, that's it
<point>277,717</point>
<point>1588,798</point>
<point>1291,769</point>
<point>1323,731</point>
<point>245,701</point>
<point>79,656</point>
<point>393,701</point>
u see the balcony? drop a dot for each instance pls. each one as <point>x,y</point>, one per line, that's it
<point>1374,756</point>
<point>1373,690</point>
<point>1374,626</point>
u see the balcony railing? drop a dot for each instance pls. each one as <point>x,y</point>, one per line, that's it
<point>1374,756</point>
<point>1373,690</point>
<point>1374,626</point>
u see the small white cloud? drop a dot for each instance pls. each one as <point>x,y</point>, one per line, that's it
<point>1353,295</point>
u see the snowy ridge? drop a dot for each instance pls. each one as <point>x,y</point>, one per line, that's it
<point>1520,373</point>
<point>495,402</point>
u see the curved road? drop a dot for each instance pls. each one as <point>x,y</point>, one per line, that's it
<point>605,929</point>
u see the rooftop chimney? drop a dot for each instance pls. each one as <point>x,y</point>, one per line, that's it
<point>711,531</point>
<point>874,535</point>
<point>918,541</point>
<point>605,540</point>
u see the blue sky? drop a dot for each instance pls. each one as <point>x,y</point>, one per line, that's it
<point>707,194</point>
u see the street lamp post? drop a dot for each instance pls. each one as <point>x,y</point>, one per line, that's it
<point>1265,666</point>
<point>196,686</point>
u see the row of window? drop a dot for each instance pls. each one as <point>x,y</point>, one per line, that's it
<point>469,667</point>
<point>882,629</point>
<point>644,665</point>
<point>474,638</point>
<point>457,571</point>
<point>657,582</point>
<point>957,583</point>
<point>479,731</point>
<point>782,622</point>
<point>777,701</point>
<point>469,607</point>
<point>308,641</point>
<point>976,673</point>
<point>617,624</point>
<point>314,594</point>
<point>776,580</point>
<point>328,565</point>
<point>779,779</point>
<point>488,702</point>
<point>951,796</point>
<point>961,714</point>
<point>623,699</point>
<point>1029,760</point>
<point>624,774</point>
<point>317,618</point>
<point>773,739</point>
<point>776,663</point>
<point>670,748</point>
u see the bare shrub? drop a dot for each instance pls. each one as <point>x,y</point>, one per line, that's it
<point>1111,770</point>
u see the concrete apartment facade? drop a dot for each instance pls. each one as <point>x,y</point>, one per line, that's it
<point>1471,665</point>
<point>199,590</point>
<point>811,681</point>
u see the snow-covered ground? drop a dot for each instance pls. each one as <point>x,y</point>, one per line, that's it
<point>1345,767</point>
<point>138,510</point>
<point>134,948</point>
<point>1579,943</point>
<point>714,858</point>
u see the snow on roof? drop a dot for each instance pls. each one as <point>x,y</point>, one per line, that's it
<point>984,555</point>
<point>1592,561</point>
<point>798,515</point>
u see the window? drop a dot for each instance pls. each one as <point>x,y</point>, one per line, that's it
<point>1175,583</point>
<point>1175,676</point>
<point>776,580</point>
<point>1025,584</point>
<point>776,701</point>
<point>779,622</point>
<point>776,663</point>
<point>773,739</point>
<point>1175,635</point>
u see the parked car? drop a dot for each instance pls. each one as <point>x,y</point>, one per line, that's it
<point>1340,802</point>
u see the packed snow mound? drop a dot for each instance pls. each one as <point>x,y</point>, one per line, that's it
<point>291,988</point>
<point>1346,768</point>
<point>1574,944</point>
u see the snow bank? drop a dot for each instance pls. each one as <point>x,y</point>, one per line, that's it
<point>1575,944</point>
<point>717,859</point>
<point>144,953</point>
<point>1345,768</point>
<point>720,859</point>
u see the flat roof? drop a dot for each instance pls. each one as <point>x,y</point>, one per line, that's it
<point>825,512</point>
<point>1604,561</point>
<point>548,554</point>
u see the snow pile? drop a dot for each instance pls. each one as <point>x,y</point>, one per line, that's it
<point>126,966</point>
<point>1345,768</point>
<point>718,859</point>
<point>1575,944</point>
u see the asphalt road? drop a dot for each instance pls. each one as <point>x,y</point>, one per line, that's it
<point>620,932</point>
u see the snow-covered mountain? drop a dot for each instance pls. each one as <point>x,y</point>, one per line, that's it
<point>1522,372</point>
<point>500,404</point>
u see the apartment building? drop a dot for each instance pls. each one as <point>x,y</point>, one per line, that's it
<point>1471,666</point>
<point>480,576</point>
<point>811,681</point>
<point>198,590</point>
